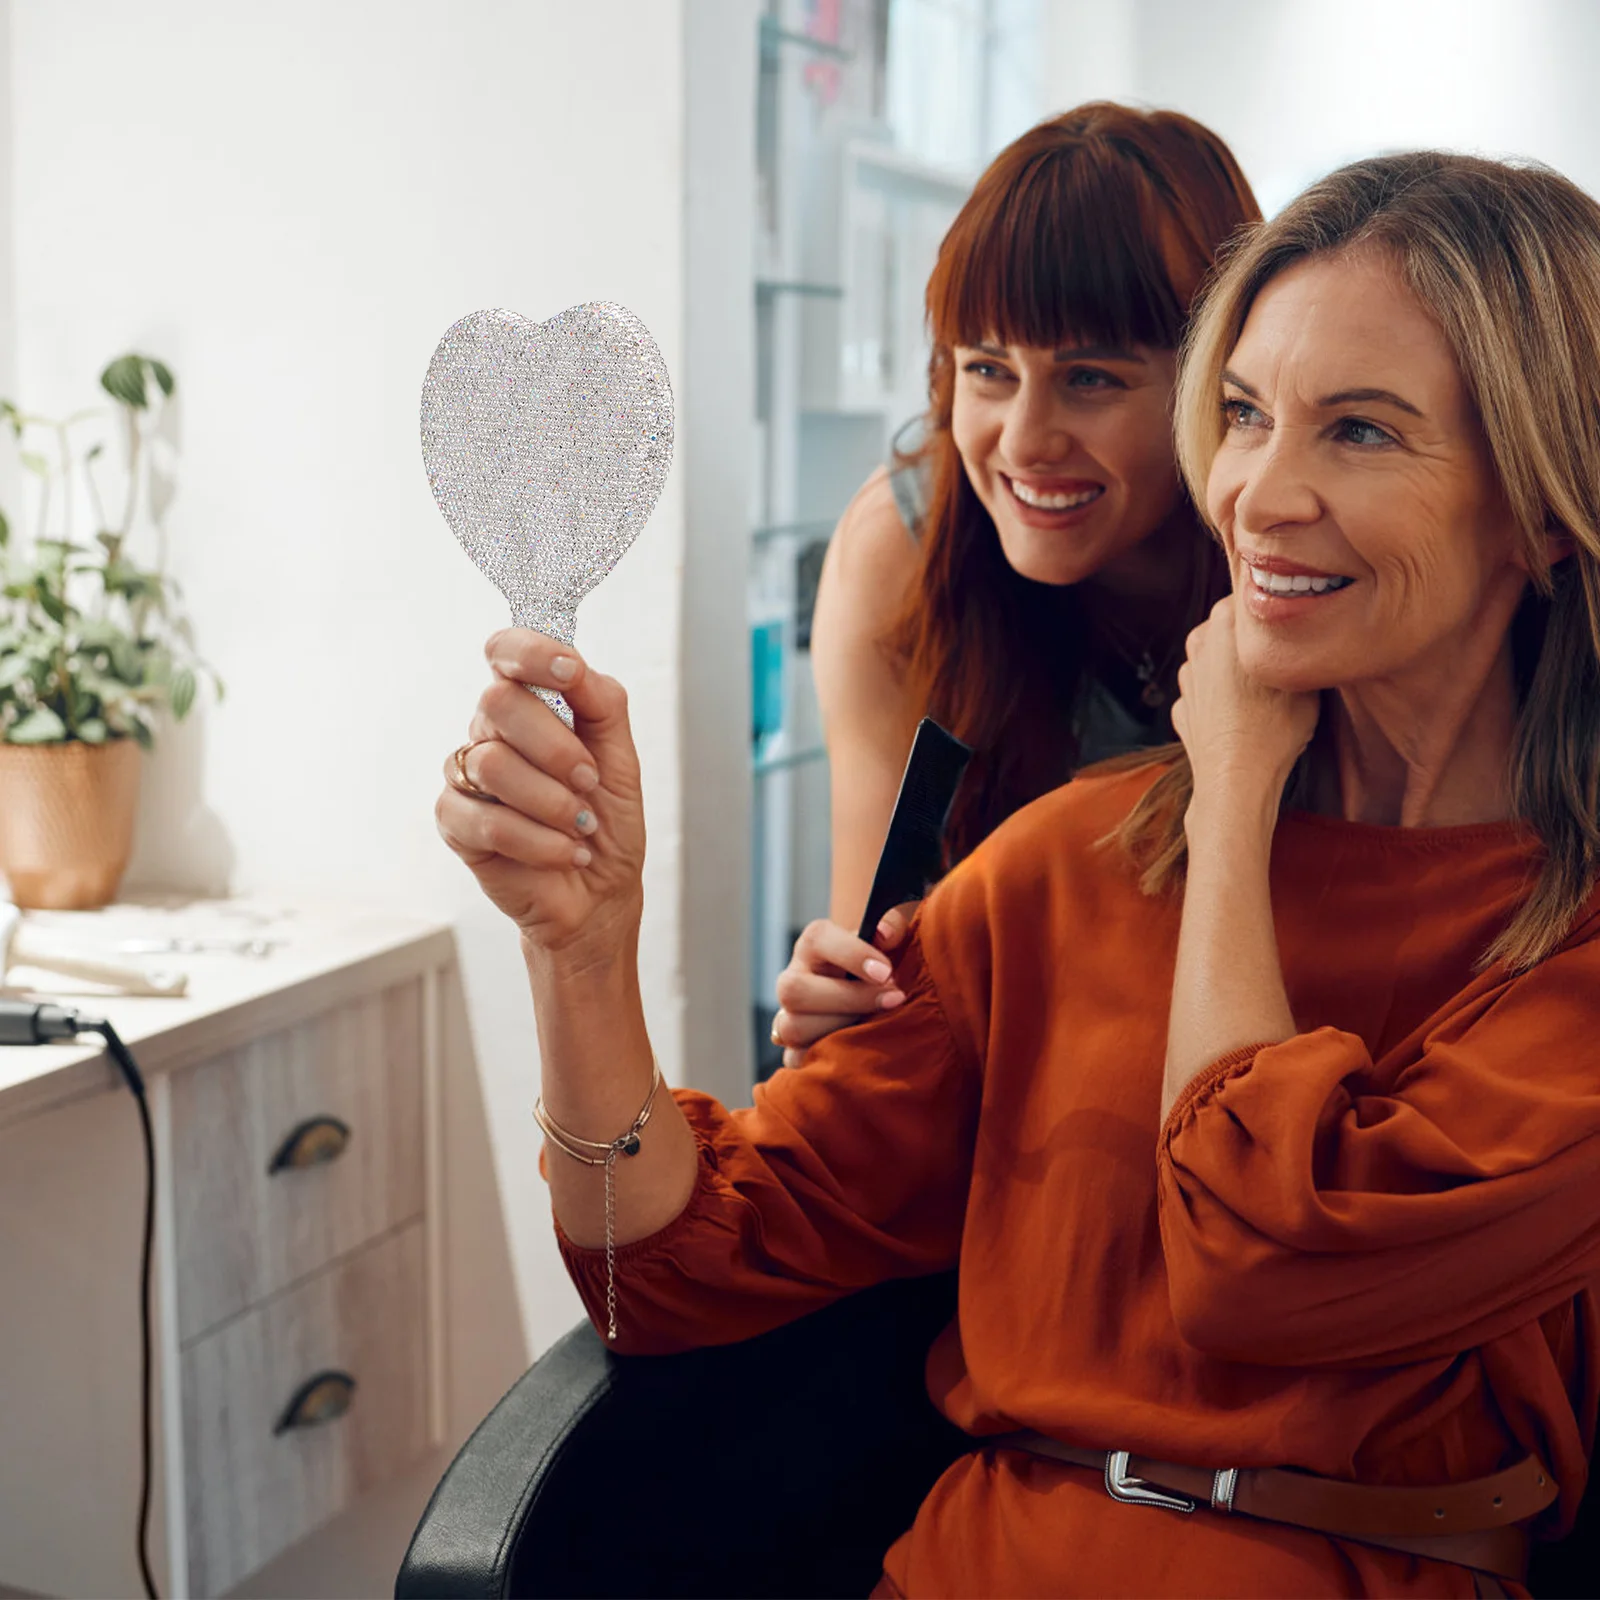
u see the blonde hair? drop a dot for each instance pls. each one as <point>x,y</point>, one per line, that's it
<point>1506,257</point>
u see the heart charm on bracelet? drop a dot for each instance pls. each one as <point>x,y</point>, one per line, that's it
<point>546,446</point>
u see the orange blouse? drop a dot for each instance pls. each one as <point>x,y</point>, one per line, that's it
<point>1370,1251</point>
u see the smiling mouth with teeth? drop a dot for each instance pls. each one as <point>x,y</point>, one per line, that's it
<point>1295,583</point>
<point>1040,500</point>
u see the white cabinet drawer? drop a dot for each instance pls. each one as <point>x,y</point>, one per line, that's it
<point>252,1491</point>
<point>242,1231</point>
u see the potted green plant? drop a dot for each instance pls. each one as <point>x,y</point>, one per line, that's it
<point>93,653</point>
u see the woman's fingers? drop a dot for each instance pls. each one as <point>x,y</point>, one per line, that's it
<point>814,994</point>
<point>498,770</point>
<point>1236,728</point>
<point>797,1030</point>
<point>478,830</point>
<point>601,738</point>
<point>894,925</point>
<point>526,726</point>
<point>826,947</point>
<point>583,781</point>
<point>834,977</point>
<point>550,819</point>
<point>832,980</point>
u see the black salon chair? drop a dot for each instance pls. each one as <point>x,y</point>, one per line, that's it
<point>785,1465</point>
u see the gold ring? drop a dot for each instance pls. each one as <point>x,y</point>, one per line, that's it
<point>458,779</point>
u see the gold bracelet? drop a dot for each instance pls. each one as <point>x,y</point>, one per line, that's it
<point>626,1144</point>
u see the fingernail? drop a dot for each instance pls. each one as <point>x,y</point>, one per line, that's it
<point>877,970</point>
<point>508,669</point>
<point>889,999</point>
<point>584,777</point>
<point>584,822</point>
<point>563,669</point>
<point>886,929</point>
<point>581,857</point>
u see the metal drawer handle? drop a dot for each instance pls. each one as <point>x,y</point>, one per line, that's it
<point>324,1397</point>
<point>310,1144</point>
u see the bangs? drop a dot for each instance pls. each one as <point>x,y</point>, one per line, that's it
<point>1071,251</point>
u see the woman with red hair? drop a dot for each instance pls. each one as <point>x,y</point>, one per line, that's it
<point>1054,563</point>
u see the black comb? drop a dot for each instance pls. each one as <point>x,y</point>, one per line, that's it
<point>913,854</point>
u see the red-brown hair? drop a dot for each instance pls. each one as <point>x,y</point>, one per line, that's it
<point>1099,225</point>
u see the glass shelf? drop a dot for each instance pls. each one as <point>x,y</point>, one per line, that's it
<point>767,287</point>
<point>791,530</point>
<point>772,36</point>
<point>762,766</point>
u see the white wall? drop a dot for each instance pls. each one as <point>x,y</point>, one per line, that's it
<point>290,203</point>
<point>1298,87</point>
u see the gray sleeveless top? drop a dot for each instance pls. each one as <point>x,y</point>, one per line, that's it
<point>1104,726</point>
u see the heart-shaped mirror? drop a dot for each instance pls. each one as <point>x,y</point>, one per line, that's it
<point>547,445</point>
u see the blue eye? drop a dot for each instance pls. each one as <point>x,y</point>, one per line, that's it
<point>1354,430</point>
<point>1241,414</point>
<point>985,369</point>
<point>1092,378</point>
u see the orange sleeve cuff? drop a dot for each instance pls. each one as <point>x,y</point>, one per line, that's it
<point>1207,1079</point>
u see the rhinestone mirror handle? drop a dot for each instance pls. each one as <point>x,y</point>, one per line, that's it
<point>557,623</point>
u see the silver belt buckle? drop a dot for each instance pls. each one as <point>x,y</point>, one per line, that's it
<point>1135,1491</point>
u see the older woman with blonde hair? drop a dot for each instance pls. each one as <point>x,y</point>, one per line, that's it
<point>1250,1083</point>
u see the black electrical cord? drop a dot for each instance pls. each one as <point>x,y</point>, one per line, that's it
<point>24,1022</point>
<point>123,1056</point>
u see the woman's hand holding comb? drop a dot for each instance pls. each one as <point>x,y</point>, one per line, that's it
<point>834,979</point>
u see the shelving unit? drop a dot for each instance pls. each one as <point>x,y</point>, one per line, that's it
<point>849,224</point>
<point>820,101</point>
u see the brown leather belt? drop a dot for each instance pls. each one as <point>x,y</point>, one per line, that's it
<point>1475,1524</point>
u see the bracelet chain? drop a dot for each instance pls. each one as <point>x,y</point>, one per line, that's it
<point>626,1144</point>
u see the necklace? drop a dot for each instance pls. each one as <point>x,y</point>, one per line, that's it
<point>1151,693</point>
<point>1127,647</point>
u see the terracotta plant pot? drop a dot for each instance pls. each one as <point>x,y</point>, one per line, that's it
<point>66,821</point>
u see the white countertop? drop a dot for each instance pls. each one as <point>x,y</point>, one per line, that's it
<point>314,956</point>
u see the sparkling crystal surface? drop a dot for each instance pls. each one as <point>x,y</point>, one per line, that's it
<point>546,446</point>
